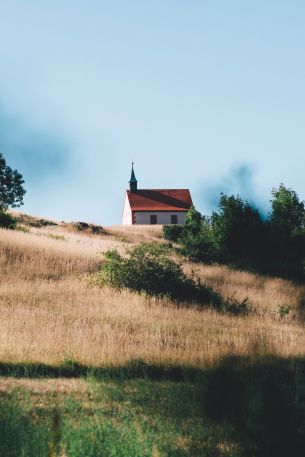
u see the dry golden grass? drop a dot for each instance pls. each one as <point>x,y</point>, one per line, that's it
<point>26,256</point>
<point>60,386</point>
<point>50,314</point>
<point>265,293</point>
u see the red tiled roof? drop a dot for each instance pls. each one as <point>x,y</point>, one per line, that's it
<point>160,200</point>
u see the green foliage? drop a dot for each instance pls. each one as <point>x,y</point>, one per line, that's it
<point>287,229</point>
<point>235,307</point>
<point>31,221</point>
<point>88,228</point>
<point>172,232</point>
<point>237,234</point>
<point>6,220</point>
<point>287,217</point>
<point>284,310</point>
<point>199,244</point>
<point>149,269</point>
<point>237,227</point>
<point>11,186</point>
<point>11,193</point>
<point>197,238</point>
<point>193,221</point>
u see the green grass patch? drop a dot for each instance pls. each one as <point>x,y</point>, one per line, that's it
<point>240,407</point>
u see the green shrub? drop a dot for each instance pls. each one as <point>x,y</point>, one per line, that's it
<point>196,237</point>
<point>235,307</point>
<point>172,232</point>
<point>149,269</point>
<point>200,246</point>
<point>6,220</point>
<point>283,310</point>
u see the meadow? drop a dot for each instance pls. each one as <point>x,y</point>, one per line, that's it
<point>94,371</point>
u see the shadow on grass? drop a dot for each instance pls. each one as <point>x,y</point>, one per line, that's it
<point>135,369</point>
<point>285,270</point>
<point>257,403</point>
<point>263,402</point>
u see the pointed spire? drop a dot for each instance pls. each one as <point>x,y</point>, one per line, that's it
<point>133,183</point>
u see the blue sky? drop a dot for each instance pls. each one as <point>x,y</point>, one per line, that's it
<point>208,95</point>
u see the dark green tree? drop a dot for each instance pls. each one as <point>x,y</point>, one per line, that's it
<point>192,227</point>
<point>11,192</point>
<point>193,221</point>
<point>287,228</point>
<point>11,186</point>
<point>198,242</point>
<point>238,228</point>
<point>288,212</point>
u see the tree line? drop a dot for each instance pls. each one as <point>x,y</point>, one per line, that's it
<point>239,234</point>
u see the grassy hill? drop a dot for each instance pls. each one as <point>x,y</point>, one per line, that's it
<point>95,371</point>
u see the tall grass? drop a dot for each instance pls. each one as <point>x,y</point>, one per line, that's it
<point>50,314</point>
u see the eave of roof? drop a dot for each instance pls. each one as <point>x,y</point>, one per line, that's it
<point>170,209</point>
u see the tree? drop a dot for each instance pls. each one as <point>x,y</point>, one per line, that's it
<point>198,244</point>
<point>287,217</point>
<point>193,221</point>
<point>287,227</point>
<point>238,227</point>
<point>11,187</point>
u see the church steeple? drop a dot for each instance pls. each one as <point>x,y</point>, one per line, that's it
<point>133,183</point>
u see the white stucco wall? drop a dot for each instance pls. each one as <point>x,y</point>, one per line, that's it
<point>127,214</point>
<point>163,217</point>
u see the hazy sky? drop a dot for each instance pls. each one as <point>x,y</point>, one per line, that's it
<point>204,94</point>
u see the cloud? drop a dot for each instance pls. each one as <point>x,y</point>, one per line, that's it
<point>38,153</point>
<point>239,180</point>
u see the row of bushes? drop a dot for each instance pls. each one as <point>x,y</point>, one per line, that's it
<point>238,233</point>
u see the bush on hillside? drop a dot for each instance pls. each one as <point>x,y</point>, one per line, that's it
<point>149,269</point>
<point>236,307</point>
<point>87,228</point>
<point>6,220</point>
<point>32,221</point>
<point>172,232</point>
<point>195,237</point>
<point>200,245</point>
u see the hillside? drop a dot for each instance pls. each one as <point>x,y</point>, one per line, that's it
<point>58,333</point>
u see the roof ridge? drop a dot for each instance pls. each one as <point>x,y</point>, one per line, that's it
<point>175,188</point>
